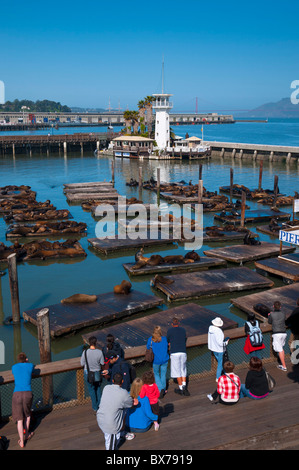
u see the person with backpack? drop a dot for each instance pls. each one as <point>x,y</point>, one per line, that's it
<point>254,338</point>
<point>117,365</point>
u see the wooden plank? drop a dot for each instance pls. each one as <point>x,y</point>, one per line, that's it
<point>204,263</point>
<point>110,245</point>
<point>244,253</point>
<point>195,319</point>
<point>211,283</point>
<point>250,193</point>
<point>253,216</point>
<point>58,229</point>
<point>117,208</point>
<point>293,257</point>
<point>109,307</point>
<point>81,197</point>
<point>96,184</point>
<point>286,295</point>
<point>280,267</point>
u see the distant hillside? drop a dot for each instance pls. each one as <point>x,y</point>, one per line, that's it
<point>44,106</point>
<point>281,109</point>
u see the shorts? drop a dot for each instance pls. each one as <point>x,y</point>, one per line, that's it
<point>278,341</point>
<point>178,365</point>
<point>21,405</point>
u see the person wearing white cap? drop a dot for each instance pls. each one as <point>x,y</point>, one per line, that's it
<point>215,343</point>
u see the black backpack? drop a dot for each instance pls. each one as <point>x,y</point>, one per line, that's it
<point>255,334</point>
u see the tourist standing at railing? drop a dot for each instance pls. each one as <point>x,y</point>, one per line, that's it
<point>277,319</point>
<point>93,360</point>
<point>176,337</point>
<point>254,340</point>
<point>215,343</point>
<point>292,322</point>
<point>22,397</point>
<point>159,346</point>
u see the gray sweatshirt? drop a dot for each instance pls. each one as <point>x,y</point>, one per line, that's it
<point>277,319</point>
<point>111,410</point>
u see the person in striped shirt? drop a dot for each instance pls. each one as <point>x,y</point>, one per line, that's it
<point>228,386</point>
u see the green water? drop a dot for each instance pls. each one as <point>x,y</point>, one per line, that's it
<point>46,283</point>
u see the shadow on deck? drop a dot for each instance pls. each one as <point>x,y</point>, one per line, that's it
<point>187,423</point>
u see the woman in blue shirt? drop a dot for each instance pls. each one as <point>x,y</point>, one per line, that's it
<point>140,417</point>
<point>159,345</point>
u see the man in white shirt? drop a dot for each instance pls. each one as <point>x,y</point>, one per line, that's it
<point>215,343</point>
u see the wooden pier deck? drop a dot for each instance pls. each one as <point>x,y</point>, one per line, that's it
<point>211,283</point>
<point>195,319</point>
<point>286,295</point>
<point>253,216</point>
<point>109,307</point>
<point>111,245</point>
<point>203,264</point>
<point>244,253</point>
<point>281,267</point>
<point>201,425</point>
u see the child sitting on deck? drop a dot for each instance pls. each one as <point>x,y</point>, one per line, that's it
<point>150,389</point>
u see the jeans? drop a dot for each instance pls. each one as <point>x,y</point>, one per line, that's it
<point>94,391</point>
<point>160,375</point>
<point>219,357</point>
<point>257,353</point>
<point>244,392</point>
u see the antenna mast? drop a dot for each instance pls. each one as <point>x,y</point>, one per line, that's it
<point>163,75</point>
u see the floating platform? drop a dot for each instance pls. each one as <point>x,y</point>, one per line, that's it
<point>128,209</point>
<point>46,229</point>
<point>254,193</point>
<point>253,216</point>
<point>244,253</point>
<point>86,196</point>
<point>17,217</point>
<point>203,264</point>
<point>222,236</point>
<point>211,283</point>
<point>281,267</point>
<point>195,319</point>
<point>284,226</point>
<point>286,295</point>
<point>109,307</point>
<point>96,184</point>
<point>111,245</point>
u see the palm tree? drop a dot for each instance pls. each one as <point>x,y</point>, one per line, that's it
<point>128,121</point>
<point>148,102</point>
<point>141,107</point>
<point>135,120</point>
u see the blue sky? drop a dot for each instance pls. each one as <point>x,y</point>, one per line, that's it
<point>231,55</point>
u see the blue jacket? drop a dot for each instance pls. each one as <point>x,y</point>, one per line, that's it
<point>160,350</point>
<point>140,416</point>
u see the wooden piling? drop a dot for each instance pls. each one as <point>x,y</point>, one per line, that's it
<point>231,184</point>
<point>112,171</point>
<point>243,206</point>
<point>200,172</point>
<point>275,189</point>
<point>261,174</point>
<point>14,287</point>
<point>44,342</point>
<point>200,189</point>
<point>140,183</point>
<point>158,186</point>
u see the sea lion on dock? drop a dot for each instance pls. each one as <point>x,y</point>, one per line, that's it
<point>192,255</point>
<point>161,279</point>
<point>177,259</point>
<point>79,299</point>
<point>139,255</point>
<point>123,288</point>
<point>262,309</point>
<point>251,239</point>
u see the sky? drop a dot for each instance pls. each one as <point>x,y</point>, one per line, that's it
<point>229,55</point>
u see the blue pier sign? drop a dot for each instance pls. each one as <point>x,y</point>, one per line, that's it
<point>289,237</point>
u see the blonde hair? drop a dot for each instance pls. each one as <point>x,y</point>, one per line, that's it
<point>157,334</point>
<point>136,387</point>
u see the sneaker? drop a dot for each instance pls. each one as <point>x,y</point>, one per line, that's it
<point>129,436</point>
<point>157,425</point>
<point>179,391</point>
<point>210,397</point>
<point>282,368</point>
<point>186,392</point>
<point>162,393</point>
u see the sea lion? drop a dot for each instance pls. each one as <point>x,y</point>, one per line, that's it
<point>251,239</point>
<point>177,259</point>
<point>192,255</point>
<point>161,279</point>
<point>262,309</point>
<point>123,288</point>
<point>79,299</point>
<point>139,256</point>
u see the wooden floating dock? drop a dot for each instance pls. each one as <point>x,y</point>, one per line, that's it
<point>244,253</point>
<point>286,295</point>
<point>212,283</point>
<point>111,245</point>
<point>117,209</point>
<point>93,184</point>
<point>195,319</point>
<point>222,236</point>
<point>109,307</point>
<point>15,217</point>
<point>52,229</point>
<point>284,226</point>
<point>293,257</point>
<point>253,216</point>
<point>279,266</point>
<point>203,264</point>
<point>254,193</point>
<point>82,192</point>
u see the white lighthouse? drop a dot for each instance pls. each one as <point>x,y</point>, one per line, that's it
<point>162,106</point>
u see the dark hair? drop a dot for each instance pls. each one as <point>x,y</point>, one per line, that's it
<point>228,366</point>
<point>251,316</point>
<point>148,377</point>
<point>175,321</point>
<point>277,305</point>
<point>117,379</point>
<point>92,341</point>
<point>255,363</point>
<point>109,339</point>
<point>22,357</point>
